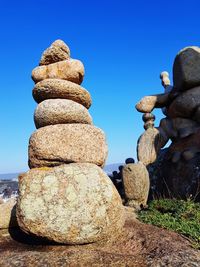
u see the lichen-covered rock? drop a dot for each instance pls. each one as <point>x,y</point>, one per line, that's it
<point>70,69</point>
<point>8,214</point>
<point>136,184</point>
<point>65,143</point>
<point>58,51</point>
<point>57,88</point>
<point>186,68</point>
<point>72,204</point>
<point>60,111</point>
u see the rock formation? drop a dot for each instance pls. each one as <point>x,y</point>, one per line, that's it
<point>66,197</point>
<point>178,173</point>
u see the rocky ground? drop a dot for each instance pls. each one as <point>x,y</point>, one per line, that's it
<point>139,245</point>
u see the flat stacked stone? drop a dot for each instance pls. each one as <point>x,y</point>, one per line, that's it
<point>66,197</point>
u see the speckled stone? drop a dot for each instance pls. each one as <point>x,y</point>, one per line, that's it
<point>72,204</point>
<point>70,69</point>
<point>60,111</point>
<point>66,143</point>
<point>57,88</point>
<point>136,184</point>
<point>8,214</point>
<point>58,51</point>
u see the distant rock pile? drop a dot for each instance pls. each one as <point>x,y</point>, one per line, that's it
<point>66,197</point>
<point>178,172</point>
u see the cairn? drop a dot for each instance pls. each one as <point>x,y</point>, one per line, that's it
<point>66,197</point>
<point>176,167</point>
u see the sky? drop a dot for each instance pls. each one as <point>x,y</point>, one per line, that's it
<point>124,46</point>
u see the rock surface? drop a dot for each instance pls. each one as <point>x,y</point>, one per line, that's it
<point>58,51</point>
<point>138,245</point>
<point>136,184</point>
<point>57,88</point>
<point>71,70</point>
<point>65,143</point>
<point>185,104</point>
<point>73,204</point>
<point>7,214</point>
<point>148,146</point>
<point>60,111</point>
<point>186,68</point>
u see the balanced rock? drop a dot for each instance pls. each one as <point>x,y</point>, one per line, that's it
<point>136,184</point>
<point>72,204</point>
<point>186,68</point>
<point>57,88</point>
<point>58,51</point>
<point>70,69</point>
<point>185,104</point>
<point>66,143</point>
<point>149,145</point>
<point>60,111</point>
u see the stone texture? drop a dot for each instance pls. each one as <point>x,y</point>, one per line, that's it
<point>71,70</point>
<point>57,88</point>
<point>149,145</point>
<point>66,143</point>
<point>73,204</point>
<point>148,103</point>
<point>185,104</point>
<point>136,184</point>
<point>138,245</point>
<point>186,68</point>
<point>60,111</point>
<point>8,214</point>
<point>58,51</point>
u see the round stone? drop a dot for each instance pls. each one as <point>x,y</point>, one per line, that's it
<point>66,143</point>
<point>60,111</point>
<point>70,69</point>
<point>71,204</point>
<point>57,88</point>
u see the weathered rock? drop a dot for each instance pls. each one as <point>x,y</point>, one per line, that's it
<point>72,204</point>
<point>149,144</point>
<point>8,214</point>
<point>136,184</point>
<point>57,88</point>
<point>148,103</point>
<point>59,111</point>
<point>70,69</point>
<point>65,143</point>
<point>58,51</point>
<point>186,68</point>
<point>139,245</point>
<point>185,104</point>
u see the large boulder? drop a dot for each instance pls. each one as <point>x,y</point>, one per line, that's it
<point>136,184</point>
<point>186,68</point>
<point>66,143</point>
<point>58,88</point>
<point>185,104</point>
<point>70,69</point>
<point>72,204</point>
<point>59,111</point>
<point>58,51</point>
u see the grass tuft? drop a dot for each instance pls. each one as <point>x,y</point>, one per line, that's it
<point>180,216</point>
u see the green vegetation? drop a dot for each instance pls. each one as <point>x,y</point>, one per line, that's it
<point>177,215</point>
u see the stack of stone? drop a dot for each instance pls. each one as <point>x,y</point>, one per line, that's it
<point>66,197</point>
<point>179,174</point>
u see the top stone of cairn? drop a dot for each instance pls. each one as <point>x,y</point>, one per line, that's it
<point>186,68</point>
<point>58,51</point>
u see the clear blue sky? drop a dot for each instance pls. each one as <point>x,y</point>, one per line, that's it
<point>124,45</point>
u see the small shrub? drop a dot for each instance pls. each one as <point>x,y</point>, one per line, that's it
<point>178,215</point>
